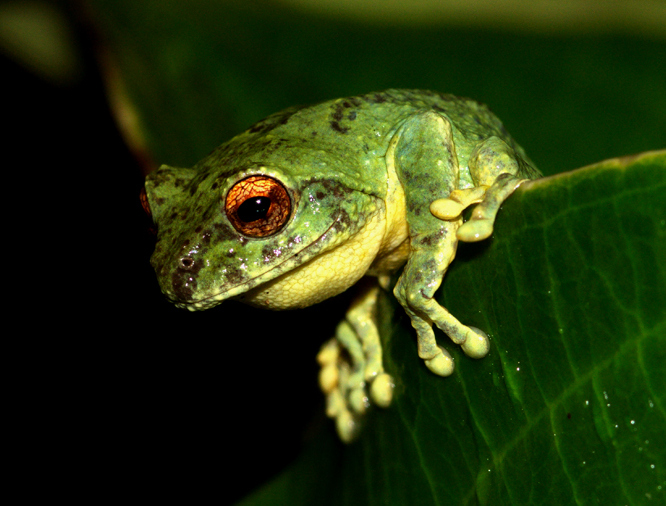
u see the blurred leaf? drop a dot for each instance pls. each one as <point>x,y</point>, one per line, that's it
<point>570,405</point>
<point>199,72</point>
<point>37,34</point>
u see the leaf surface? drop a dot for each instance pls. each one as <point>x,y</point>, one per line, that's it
<point>570,405</point>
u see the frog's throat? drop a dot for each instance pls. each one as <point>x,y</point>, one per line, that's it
<point>323,244</point>
<point>328,273</point>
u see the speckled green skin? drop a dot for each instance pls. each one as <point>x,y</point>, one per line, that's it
<point>331,158</point>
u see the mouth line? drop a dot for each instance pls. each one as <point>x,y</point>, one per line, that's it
<point>218,298</point>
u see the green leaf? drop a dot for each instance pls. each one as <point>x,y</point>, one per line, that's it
<point>570,405</point>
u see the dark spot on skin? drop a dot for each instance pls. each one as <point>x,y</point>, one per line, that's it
<point>332,187</point>
<point>569,416</point>
<point>236,277</point>
<point>343,222</point>
<point>320,195</point>
<point>337,115</point>
<point>268,253</point>
<point>224,232</point>
<point>257,127</point>
<point>273,121</point>
<point>196,181</point>
<point>183,286</point>
<point>380,98</point>
<point>352,116</point>
<point>426,240</point>
<point>336,126</point>
<point>184,277</point>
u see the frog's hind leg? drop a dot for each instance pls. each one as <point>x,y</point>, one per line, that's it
<point>337,367</point>
<point>350,362</point>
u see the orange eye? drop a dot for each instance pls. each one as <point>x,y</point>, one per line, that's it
<point>144,202</point>
<point>258,206</point>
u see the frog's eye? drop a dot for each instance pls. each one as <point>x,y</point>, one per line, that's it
<point>258,206</point>
<point>143,197</point>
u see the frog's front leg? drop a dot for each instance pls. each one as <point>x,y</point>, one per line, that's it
<point>350,362</point>
<point>424,157</point>
<point>496,171</point>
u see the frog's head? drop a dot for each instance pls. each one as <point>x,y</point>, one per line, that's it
<point>269,236</point>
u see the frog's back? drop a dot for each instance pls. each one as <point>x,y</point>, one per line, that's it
<point>385,109</point>
<point>364,123</point>
<point>353,132</point>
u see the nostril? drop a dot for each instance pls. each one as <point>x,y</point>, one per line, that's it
<point>187,262</point>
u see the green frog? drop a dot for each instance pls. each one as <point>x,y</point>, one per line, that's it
<point>306,202</point>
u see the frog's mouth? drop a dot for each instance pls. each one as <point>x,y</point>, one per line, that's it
<point>246,289</point>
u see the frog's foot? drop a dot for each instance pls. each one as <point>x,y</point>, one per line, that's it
<point>334,382</point>
<point>480,225</point>
<point>432,253</point>
<point>495,165</point>
<point>423,312</point>
<point>451,208</point>
<point>351,363</point>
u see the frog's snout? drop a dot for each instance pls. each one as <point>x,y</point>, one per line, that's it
<point>177,275</point>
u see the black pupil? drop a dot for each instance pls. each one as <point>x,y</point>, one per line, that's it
<point>254,209</point>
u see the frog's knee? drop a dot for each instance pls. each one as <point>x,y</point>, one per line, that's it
<point>406,295</point>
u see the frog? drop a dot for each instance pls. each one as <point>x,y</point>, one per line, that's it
<point>308,201</point>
